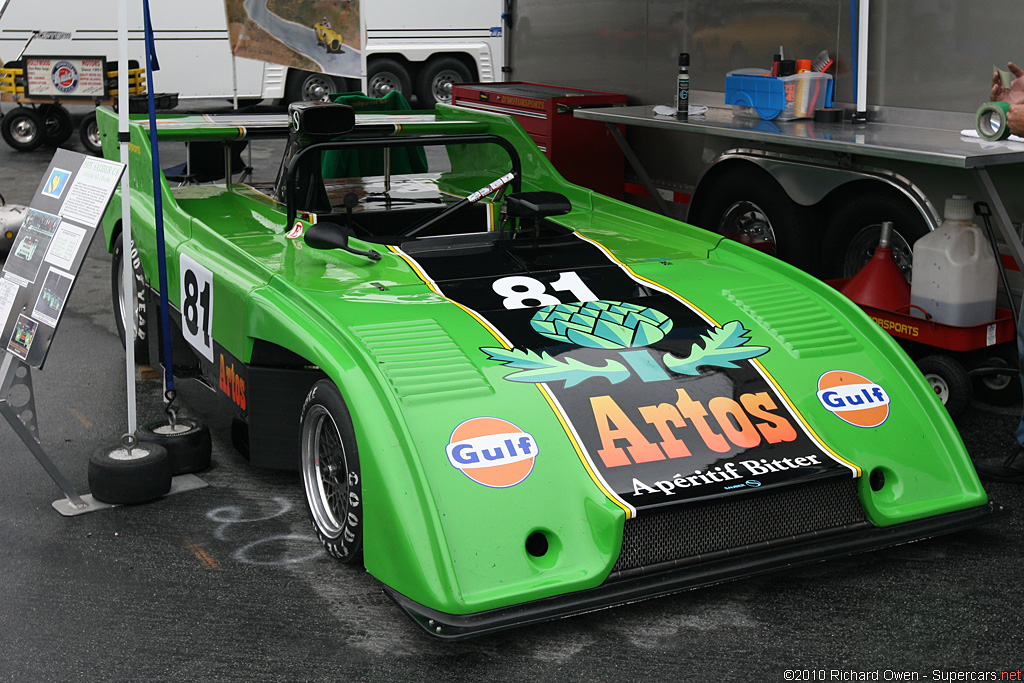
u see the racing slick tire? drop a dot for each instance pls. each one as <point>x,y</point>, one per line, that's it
<point>187,443</point>
<point>125,476</point>
<point>948,380</point>
<point>308,86</point>
<point>437,79</point>
<point>384,75</point>
<point>139,296</point>
<point>23,129</point>
<point>57,124</point>
<point>852,233</point>
<point>750,207</point>
<point>89,134</point>
<point>331,476</point>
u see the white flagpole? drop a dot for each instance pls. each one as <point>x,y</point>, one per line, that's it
<point>127,273</point>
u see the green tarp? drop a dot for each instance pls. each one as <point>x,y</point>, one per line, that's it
<point>356,163</point>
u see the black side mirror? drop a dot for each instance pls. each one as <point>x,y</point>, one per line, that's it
<point>333,236</point>
<point>327,236</point>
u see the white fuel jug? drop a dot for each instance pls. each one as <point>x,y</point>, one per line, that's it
<point>955,273</point>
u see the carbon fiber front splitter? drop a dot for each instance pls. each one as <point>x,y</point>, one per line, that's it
<point>768,557</point>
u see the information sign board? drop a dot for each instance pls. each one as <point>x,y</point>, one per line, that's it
<point>48,253</point>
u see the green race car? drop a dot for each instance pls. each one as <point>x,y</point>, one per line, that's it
<point>512,398</point>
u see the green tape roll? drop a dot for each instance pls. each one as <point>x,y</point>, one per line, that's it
<point>990,121</point>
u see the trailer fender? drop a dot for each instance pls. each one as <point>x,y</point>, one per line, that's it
<point>822,194</point>
<point>807,182</point>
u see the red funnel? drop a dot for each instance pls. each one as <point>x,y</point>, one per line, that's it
<point>880,283</point>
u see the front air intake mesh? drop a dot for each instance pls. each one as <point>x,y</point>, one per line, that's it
<point>694,532</point>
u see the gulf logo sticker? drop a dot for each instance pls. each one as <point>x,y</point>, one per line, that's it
<point>853,398</point>
<point>492,451</point>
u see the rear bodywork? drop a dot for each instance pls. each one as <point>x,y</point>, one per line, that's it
<point>551,418</point>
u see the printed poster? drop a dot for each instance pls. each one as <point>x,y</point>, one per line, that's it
<point>323,35</point>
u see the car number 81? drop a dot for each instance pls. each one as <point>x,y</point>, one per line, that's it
<point>197,306</point>
<point>521,291</point>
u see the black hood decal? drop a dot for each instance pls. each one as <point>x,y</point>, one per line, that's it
<point>664,404</point>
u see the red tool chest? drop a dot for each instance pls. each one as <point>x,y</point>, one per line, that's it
<point>582,151</point>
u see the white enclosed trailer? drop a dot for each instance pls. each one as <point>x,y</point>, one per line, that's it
<point>417,47</point>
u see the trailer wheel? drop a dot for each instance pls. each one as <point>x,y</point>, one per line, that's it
<point>89,134</point>
<point>749,206</point>
<point>852,234</point>
<point>384,75</point>
<point>330,472</point>
<point>57,124</point>
<point>306,86</point>
<point>948,380</point>
<point>437,80</point>
<point>138,296</point>
<point>22,128</point>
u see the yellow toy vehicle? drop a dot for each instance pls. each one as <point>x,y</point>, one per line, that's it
<point>328,37</point>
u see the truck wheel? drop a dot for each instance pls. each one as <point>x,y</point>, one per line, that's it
<point>948,380</point>
<point>852,233</point>
<point>57,124</point>
<point>305,86</point>
<point>384,75</point>
<point>138,296</point>
<point>330,472</point>
<point>89,134</point>
<point>747,205</point>
<point>437,80</point>
<point>22,129</point>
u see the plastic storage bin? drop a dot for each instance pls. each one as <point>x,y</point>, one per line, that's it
<point>754,93</point>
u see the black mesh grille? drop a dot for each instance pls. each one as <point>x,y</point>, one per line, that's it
<point>698,529</point>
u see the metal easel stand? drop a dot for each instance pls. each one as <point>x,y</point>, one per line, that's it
<point>21,415</point>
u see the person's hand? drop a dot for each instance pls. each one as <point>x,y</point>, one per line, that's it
<point>1015,93</point>
<point>1015,119</point>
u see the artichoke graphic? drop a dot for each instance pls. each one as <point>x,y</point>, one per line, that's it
<point>602,324</point>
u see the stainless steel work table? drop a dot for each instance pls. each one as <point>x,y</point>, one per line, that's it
<point>935,146</point>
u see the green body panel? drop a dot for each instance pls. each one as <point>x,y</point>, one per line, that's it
<point>431,533</point>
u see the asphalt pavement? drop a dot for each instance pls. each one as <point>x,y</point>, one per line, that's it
<point>227,583</point>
